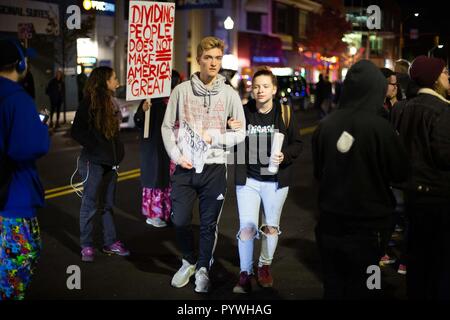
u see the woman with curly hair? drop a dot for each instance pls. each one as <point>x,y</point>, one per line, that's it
<point>96,128</point>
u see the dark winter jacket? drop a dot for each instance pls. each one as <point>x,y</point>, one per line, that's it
<point>23,139</point>
<point>355,176</point>
<point>425,131</point>
<point>155,162</point>
<point>55,91</point>
<point>292,145</point>
<point>96,147</point>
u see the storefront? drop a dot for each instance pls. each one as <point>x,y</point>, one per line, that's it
<point>37,25</point>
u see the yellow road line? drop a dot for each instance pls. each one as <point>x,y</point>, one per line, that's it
<point>69,191</point>
<point>123,176</point>
<point>307,130</point>
<point>61,188</point>
<point>131,176</point>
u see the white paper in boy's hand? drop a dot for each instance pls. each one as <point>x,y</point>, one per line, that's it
<point>277,144</point>
<point>192,146</point>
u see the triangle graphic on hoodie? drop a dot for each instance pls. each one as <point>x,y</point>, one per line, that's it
<point>219,107</point>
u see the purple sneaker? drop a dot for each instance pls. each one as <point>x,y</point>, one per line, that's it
<point>116,248</point>
<point>87,254</point>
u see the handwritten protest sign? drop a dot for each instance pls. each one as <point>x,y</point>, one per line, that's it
<point>150,48</point>
<point>192,146</point>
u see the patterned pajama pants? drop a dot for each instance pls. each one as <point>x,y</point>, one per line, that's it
<point>20,246</point>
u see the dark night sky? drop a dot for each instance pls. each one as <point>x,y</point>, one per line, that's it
<point>434,15</point>
<point>434,20</point>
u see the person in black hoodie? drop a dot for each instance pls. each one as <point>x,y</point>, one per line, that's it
<point>356,154</point>
<point>156,166</point>
<point>96,128</point>
<point>424,129</point>
<point>255,183</point>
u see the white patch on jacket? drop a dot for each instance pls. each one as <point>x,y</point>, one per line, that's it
<point>345,142</point>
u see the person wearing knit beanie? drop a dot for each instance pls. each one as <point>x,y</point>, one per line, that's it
<point>425,71</point>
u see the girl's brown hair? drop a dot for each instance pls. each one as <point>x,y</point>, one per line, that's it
<point>103,115</point>
<point>265,71</point>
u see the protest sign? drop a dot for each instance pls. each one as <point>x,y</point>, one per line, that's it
<point>150,49</point>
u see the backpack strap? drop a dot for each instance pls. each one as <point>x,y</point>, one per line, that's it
<point>286,114</point>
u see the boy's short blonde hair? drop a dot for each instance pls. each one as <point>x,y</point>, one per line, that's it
<point>209,43</point>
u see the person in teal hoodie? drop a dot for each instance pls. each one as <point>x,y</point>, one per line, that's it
<point>23,139</point>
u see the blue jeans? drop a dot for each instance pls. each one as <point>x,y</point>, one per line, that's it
<point>98,194</point>
<point>249,197</point>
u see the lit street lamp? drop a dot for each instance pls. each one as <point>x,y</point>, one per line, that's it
<point>229,25</point>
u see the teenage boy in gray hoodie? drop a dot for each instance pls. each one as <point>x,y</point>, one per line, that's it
<point>195,135</point>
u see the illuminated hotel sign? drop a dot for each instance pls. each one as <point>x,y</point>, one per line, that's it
<point>100,6</point>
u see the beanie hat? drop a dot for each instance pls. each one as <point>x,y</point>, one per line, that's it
<point>425,71</point>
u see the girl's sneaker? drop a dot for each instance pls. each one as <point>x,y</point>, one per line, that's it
<point>265,279</point>
<point>386,259</point>
<point>116,248</point>
<point>156,222</point>
<point>402,269</point>
<point>87,254</point>
<point>244,284</point>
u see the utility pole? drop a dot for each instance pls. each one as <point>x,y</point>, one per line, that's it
<point>119,48</point>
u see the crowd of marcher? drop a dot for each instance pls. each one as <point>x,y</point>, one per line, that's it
<point>382,159</point>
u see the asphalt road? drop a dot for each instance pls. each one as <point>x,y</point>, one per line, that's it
<point>146,274</point>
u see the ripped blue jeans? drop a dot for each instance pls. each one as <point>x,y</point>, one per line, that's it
<point>249,197</point>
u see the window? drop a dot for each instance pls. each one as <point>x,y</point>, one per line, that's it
<point>254,21</point>
<point>282,18</point>
<point>376,45</point>
<point>302,24</point>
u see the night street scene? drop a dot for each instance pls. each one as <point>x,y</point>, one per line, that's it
<point>226,158</point>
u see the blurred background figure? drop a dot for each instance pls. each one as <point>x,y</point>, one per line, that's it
<point>323,96</point>
<point>81,82</point>
<point>401,71</point>
<point>28,83</point>
<point>55,91</point>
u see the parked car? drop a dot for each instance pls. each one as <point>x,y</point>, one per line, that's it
<point>292,90</point>
<point>127,108</point>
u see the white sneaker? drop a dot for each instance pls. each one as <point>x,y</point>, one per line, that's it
<point>181,277</point>
<point>156,222</point>
<point>201,280</point>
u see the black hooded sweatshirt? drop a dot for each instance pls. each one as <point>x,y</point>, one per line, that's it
<point>355,178</point>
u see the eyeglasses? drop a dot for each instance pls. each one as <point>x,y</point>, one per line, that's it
<point>393,84</point>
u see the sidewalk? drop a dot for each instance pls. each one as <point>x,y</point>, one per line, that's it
<point>70,115</point>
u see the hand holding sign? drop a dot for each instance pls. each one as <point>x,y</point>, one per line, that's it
<point>146,106</point>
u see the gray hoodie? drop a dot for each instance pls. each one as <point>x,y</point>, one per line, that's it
<point>202,109</point>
